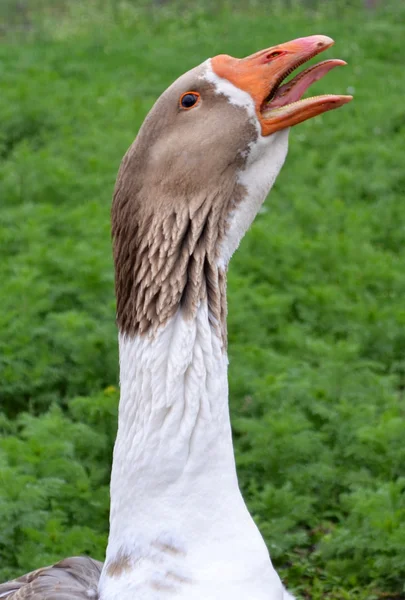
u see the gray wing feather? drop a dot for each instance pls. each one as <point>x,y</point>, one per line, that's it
<point>73,578</point>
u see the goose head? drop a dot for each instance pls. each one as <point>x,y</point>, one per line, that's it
<point>203,162</point>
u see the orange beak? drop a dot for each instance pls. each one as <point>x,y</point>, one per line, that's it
<point>261,75</point>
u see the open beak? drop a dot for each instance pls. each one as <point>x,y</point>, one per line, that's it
<point>262,74</point>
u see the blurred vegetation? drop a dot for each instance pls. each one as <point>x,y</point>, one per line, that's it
<point>316,292</point>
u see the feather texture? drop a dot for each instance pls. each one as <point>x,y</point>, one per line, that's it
<point>74,578</point>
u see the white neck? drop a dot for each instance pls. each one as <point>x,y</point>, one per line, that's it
<point>178,523</point>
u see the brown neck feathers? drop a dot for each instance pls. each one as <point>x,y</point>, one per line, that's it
<point>166,258</point>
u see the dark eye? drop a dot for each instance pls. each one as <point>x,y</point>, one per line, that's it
<point>189,99</point>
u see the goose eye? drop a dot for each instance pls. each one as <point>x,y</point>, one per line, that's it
<point>189,99</point>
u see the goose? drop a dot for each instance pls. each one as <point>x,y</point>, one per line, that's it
<point>187,190</point>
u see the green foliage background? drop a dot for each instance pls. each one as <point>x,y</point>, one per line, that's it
<point>316,291</point>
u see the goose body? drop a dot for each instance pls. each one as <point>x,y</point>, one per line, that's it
<point>188,189</point>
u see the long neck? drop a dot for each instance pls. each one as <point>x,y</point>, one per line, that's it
<point>175,501</point>
<point>174,431</point>
<point>178,522</point>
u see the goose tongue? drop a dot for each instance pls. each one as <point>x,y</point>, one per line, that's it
<point>261,75</point>
<point>294,89</point>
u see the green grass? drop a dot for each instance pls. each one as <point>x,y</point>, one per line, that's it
<point>316,291</point>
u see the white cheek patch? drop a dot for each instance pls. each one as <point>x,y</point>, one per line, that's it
<point>265,159</point>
